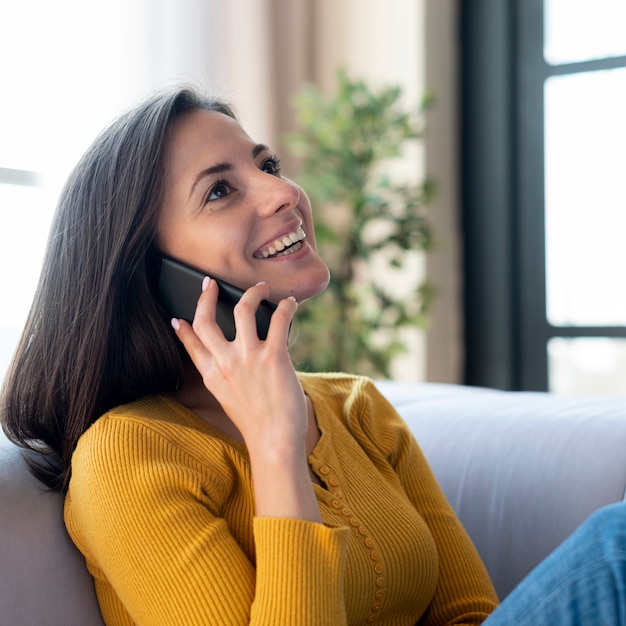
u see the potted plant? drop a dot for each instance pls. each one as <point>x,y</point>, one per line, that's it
<point>365,218</point>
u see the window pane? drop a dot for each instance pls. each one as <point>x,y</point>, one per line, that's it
<point>587,366</point>
<point>585,195</point>
<point>24,224</point>
<point>67,67</point>
<point>580,30</point>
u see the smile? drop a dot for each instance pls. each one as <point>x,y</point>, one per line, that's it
<point>287,244</point>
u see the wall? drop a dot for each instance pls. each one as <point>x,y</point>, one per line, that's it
<point>444,339</point>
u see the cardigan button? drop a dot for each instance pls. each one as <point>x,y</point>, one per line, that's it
<point>374,555</point>
<point>332,481</point>
<point>368,542</point>
<point>376,606</point>
<point>379,594</point>
<point>324,470</point>
<point>337,504</point>
<point>380,581</point>
<point>378,568</point>
<point>371,619</point>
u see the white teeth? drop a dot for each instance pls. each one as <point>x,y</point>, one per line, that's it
<point>281,245</point>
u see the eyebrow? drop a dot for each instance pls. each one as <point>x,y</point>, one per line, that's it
<point>219,168</point>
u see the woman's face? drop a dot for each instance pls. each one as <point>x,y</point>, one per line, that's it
<point>228,211</point>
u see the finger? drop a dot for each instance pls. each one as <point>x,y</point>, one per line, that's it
<point>282,317</point>
<point>196,349</point>
<point>245,312</point>
<point>204,323</point>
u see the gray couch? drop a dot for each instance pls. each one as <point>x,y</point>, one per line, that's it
<point>522,470</point>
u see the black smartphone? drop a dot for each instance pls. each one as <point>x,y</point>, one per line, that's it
<point>180,287</point>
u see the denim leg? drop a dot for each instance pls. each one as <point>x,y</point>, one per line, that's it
<point>581,583</point>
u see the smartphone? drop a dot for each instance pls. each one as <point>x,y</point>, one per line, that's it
<point>180,287</point>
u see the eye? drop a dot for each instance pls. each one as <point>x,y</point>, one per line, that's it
<point>219,190</point>
<point>271,165</point>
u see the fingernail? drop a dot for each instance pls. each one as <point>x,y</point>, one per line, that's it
<point>206,281</point>
<point>262,282</point>
<point>175,323</point>
<point>292,298</point>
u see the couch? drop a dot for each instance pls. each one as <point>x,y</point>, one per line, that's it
<point>522,470</point>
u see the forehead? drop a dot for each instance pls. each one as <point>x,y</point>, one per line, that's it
<point>202,134</point>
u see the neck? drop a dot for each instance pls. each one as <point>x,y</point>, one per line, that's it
<point>195,396</point>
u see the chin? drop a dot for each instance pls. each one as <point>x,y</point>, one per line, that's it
<point>302,290</point>
<point>313,289</point>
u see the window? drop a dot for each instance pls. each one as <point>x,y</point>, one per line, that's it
<point>545,197</point>
<point>585,193</point>
<point>66,69</point>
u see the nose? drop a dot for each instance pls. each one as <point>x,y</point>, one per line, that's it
<point>279,194</point>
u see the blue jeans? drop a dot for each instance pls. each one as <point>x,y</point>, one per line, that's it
<point>581,583</point>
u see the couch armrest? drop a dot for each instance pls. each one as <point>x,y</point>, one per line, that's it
<point>43,578</point>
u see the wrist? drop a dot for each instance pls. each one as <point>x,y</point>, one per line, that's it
<point>282,484</point>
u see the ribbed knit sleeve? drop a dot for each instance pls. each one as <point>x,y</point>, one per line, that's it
<point>148,516</point>
<point>305,564</point>
<point>464,593</point>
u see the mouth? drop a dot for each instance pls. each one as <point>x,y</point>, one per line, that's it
<point>287,244</point>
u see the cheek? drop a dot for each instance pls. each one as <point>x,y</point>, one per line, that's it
<point>214,245</point>
<point>310,234</point>
<point>167,236</point>
<point>307,217</point>
<point>168,226</point>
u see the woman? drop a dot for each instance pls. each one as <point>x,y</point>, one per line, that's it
<point>206,482</point>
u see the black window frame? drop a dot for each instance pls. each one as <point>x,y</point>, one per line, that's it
<point>503,72</point>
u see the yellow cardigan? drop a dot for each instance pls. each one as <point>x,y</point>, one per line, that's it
<point>161,505</point>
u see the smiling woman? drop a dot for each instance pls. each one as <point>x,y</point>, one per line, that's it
<point>234,489</point>
<point>264,495</point>
<point>228,210</point>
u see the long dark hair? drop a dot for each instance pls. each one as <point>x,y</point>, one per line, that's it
<point>96,336</point>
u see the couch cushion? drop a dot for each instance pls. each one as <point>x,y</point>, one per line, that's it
<point>522,470</point>
<point>43,579</point>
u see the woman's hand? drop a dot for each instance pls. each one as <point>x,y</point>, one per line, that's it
<point>256,384</point>
<point>253,380</point>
